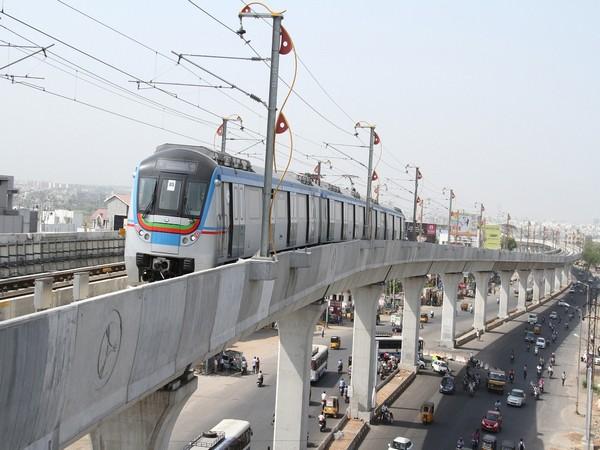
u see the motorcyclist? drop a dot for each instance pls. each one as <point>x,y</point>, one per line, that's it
<point>460,443</point>
<point>497,405</point>
<point>553,358</point>
<point>541,385</point>
<point>536,350</point>
<point>550,370</point>
<point>512,355</point>
<point>260,379</point>
<point>342,385</point>
<point>244,367</point>
<point>340,366</point>
<point>322,422</point>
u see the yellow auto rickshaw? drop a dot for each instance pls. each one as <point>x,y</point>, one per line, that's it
<point>424,318</point>
<point>331,408</point>
<point>335,342</point>
<point>426,413</point>
<point>537,329</point>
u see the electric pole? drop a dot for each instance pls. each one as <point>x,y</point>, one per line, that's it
<point>271,117</point>
<point>373,139</point>
<point>450,215</point>
<point>417,177</point>
<point>222,130</point>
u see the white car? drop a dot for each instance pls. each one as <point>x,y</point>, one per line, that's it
<point>400,443</point>
<point>541,342</point>
<point>516,397</point>
<point>440,367</point>
<point>532,318</point>
<point>563,303</point>
<point>554,315</point>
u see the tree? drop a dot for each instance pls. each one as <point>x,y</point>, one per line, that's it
<point>591,253</point>
<point>509,243</point>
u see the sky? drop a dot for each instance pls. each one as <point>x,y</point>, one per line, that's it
<point>497,100</point>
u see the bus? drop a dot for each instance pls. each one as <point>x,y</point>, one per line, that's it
<point>318,362</point>
<point>228,434</point>
<point>392,345</point>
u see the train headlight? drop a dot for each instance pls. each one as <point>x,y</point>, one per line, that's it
<point>193,237</point>
<point>184,240</point>
<point>141,232</point>
<point>147,236</point>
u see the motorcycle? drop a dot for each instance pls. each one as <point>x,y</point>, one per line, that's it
<point>322,425</point>
<point>259,382</point>
<point>339,368</point>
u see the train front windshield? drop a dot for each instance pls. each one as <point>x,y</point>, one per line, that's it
<point>171,195</point>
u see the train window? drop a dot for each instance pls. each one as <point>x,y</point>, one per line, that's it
<point>194,198</point>
<point>145,192</point>
<point>170,193</point>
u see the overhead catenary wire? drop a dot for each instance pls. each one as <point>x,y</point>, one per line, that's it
<point>156,52</point>
<point>100,108</point>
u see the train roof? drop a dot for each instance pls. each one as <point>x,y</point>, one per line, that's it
<point>308,180</point>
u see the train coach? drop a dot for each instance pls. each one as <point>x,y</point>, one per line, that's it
<point>193,208</point>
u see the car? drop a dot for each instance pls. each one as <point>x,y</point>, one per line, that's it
<point>563,303</point>
<point>540,342</point>
<point>529,336</point>
<point>447,385</point>
<point>597,360</point>
<point>440,367</point>
<point>532,318</point>
<point>421,364</point>
<point>400,443</point>
<point>553,315</point>
<point>516,397</point>
<point>492,421</point>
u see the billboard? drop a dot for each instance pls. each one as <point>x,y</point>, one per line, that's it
<point>464,224</point>
<point>492,237</point>
<point>427,232</point>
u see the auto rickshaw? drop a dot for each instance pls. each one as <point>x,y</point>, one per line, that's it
<point>424,318</point>
<point>464,306</point>
<point>335,342</point>
<point>331,408</point>
<point>537,328</point>
<point>488,442</point>
<point>426,413</point>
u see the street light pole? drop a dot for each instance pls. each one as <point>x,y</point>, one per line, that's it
<point>450,215</point>
<point>587,286</point>
<point>417,176</point>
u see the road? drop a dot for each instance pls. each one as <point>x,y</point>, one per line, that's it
<point>538,423</point>
<point>219,396</point>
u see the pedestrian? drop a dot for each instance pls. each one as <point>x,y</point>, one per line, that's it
<point>254,365</point>
<point>257,363</point>
<point>323,400</point>
<point>521,444</point>
<point>563,377</point>
<point>323,331</point>
<point>478,334</point>
<point>525,372</point>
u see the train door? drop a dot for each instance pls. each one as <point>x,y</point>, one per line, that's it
<point>167,213</point>
<point>313,219</point>
<point>323,219</point>
<point>292,228</point>
<point>301,202</point>
<point>238,232</point>
<point>222,202</point>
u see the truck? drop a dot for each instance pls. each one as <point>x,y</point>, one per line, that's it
<point>496,380</point>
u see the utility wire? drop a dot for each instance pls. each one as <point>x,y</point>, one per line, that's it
<point>100,108</point>
<point>156,52</point>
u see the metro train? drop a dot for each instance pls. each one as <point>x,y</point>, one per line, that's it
<point>193,208</point>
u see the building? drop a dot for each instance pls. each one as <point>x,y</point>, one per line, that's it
<point>61,221</point>
<point>117,208</point>
<point>98,220</point>
<point>14,220</point>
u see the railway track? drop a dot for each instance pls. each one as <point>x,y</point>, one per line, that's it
<point>24,285</point>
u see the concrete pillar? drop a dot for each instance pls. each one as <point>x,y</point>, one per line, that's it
<point>413,287</point>
<point>565,276</point>
<point>81,286</point>
<point>146,424</point>
<point>481,292</point>
<point>42,293</point>
<point>557,278</point>
<point>538,285</point>
<point>505,276</point>
<point>364,354</point>
<point>521,301</point>
<point>450,281</point>
<point>293,377</point>
<point>548,282</point>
